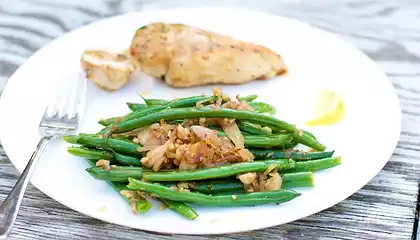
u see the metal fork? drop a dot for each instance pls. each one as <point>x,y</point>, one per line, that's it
<point>60,117</point>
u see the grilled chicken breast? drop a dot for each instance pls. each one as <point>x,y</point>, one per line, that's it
<point>188,56</point>
<point>107,70</point>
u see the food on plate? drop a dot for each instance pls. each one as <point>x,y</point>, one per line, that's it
<point>183,56</point>
<point>109,71</point>
<point>329,109</point>
<point>189,56</point>
<point>210,150</point>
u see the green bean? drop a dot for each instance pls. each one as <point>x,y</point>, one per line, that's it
<point>72,139</point>
<point>290,145</point>
<point>176,103</point>
<point>116,173</point>
<point>290,180</point>
<point>308,133</point>
<point>300,179</point>
<point>121,174</point>
<point>180,208</point>
<point>127,160</point>
<point>90,153</point>
<point>218,172</point>
<point>254,129</point>
<point>203,112</point>
<point>262,154</point>
<point>249,98</point>
<point>188,113</point>
<point>216,186</point>
<point>154,102</point>
<point>280,141</point>
<point>114,144</point>
<point>294,143</point>
<point>136,106</point>
<point>316,165</point>
<point>96,154</point>
<point>140,205</point>
<point>309,141</point>
<point>249,199</point>
<point>263,107</point>
<point>107,121</point>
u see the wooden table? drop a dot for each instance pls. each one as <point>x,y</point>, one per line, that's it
<point>387,30</point>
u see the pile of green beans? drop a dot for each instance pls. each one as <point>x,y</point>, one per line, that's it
<point>271,141</point>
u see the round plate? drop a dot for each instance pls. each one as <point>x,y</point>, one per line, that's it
<point>316,59</point>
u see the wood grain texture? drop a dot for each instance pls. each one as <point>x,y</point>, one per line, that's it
<point>387,30</point>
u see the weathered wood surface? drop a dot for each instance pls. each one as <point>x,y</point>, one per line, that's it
<point>387,30</point>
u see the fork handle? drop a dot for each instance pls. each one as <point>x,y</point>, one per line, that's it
<point>10,207</point>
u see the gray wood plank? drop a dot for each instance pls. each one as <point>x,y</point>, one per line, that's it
<point>388,31</point>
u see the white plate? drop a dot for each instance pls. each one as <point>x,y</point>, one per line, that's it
<point>365,139</point>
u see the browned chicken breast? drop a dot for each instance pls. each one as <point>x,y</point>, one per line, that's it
<point>188,56</point>
<point>107,70</point>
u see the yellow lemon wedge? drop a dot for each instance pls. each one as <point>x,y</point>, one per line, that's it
<point>329,109</point>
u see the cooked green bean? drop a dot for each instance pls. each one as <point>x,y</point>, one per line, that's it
<point>139,205</point>
<point>254,129</point>
<point>127,160</point>
<point>115,144</point>
<point>263,107</point>
<point>308,133</point>
<point>71,138</point>
<point>179,208</point>
<point>93,154</point>
<point>96,154</point>
<point>116,173</point>
<point>317,165</point>
<point>203,112</point>
<point>176,103</point>
<point>262,154</point>
<point>107,121</point>
<point>290,145</point>
<point>154,102</point>
<point>120,174</point>
<point>172,114</point>
<point>216,186</point>
<point>136,106</point>
<point>309,141</point>
<point>249,199</point>
<point>265,136</point>
<point>300,179</point>
<point>218,172</point>
<point>290,180</point>
<point>279,140</point>
<point>249,98</point>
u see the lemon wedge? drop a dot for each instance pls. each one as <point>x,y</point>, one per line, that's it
<point>329,109</point>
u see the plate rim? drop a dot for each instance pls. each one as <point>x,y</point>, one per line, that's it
<point>399,116</point>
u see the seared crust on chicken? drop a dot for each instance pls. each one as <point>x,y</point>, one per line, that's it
<point>107,70</point>
<point>188,56</point>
